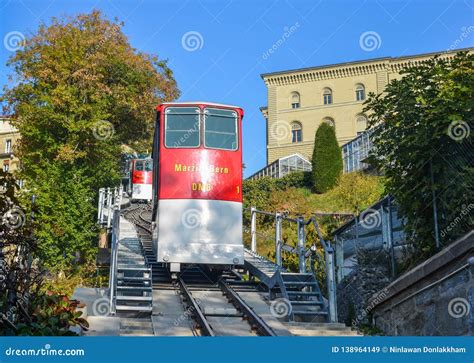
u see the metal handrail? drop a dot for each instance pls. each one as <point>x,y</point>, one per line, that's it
<point>108,215</point>
<point>113,261</point>
<point>109,198</point>
<point>300,250</point>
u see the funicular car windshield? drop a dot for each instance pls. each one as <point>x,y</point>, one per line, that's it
<point>183,125</point>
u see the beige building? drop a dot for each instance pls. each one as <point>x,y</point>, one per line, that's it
<point>8,139</point>
<point>300,100</point>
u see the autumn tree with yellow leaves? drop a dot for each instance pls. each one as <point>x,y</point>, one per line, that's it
<point>80,91</point>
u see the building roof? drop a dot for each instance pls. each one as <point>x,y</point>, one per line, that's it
<point>343,64</point>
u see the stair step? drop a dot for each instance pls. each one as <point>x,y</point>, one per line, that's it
<point>296,274</point>
<point>303,293</point>
<point>146,288</point>
<point>132,268</point>
<point>305,283</point>
<point>134,308</point>
<point>133,278</point>
<point>307,303</point>
<point>309,312</point>
<point>135,298</point>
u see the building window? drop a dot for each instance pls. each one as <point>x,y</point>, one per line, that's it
<point>295,100</point>
<point>361,124</point>
<point>327,96</point>
<point>6,166</point>
<point>296,132</point>
<point>8,146</point>
<point>360,92</point>
<point>329,121</point>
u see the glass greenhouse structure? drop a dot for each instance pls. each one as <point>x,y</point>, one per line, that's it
<point>355,152</point>
<point>284,166</point>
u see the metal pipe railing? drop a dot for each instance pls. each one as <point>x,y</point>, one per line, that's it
<point>113,260</point>
<point>109,198</point>
<point>300,249</point>
<point>108,214</point>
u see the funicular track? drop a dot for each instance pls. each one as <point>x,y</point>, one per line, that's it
<point>211,299</point>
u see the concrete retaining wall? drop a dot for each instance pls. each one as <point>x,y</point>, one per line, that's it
<point>435,298</point>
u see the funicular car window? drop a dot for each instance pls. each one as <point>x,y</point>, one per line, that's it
<point>220,129</point>
<point>149,165</point>
<point>182,127</point>
<point>139,165</point>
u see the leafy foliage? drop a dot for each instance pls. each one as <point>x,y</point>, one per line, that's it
<point>327,159</point>
<point>81,91</point>
<point>292,194</point>
<point>25,308</point>
<point>422,129</point>
<point>53,315</point>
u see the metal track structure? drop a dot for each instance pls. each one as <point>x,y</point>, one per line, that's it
<point>195,279</point>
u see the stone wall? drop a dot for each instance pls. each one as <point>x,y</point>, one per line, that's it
<point>371,275</point>
<point>435,298</point>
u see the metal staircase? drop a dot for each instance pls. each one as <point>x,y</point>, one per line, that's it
<point>160,273</point>
<point>300,290</point>
<point>303,293</point>
<point>133,291</point>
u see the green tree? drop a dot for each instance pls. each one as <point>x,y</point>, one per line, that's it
<point>81,91</point>
<point>422,131</point>
<point>327,159</point>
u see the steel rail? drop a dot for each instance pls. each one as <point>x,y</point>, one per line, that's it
<point>196,310</point>
<point>254,319</point>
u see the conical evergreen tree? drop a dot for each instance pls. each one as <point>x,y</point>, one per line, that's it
<point>327,159</point>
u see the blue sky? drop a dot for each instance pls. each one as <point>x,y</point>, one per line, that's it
<point>218,49</point>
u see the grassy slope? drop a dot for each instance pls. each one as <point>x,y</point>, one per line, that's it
<point>354,193</point>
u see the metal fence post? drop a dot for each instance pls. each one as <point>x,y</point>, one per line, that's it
<point>103,204</point>
<point>331,281</point>
<point>99,209</point>
<point>339,258</point>
<point>278,239</point>
<point>109,207</point>
<point>120,196</point>
<point>253,228</point>
<point>301,240</point>
<point>113,262</point>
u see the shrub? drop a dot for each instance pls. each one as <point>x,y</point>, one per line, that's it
<point>52,315</point>
<point>327,159</point>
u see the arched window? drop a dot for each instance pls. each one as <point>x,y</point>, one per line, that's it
<point>329,121</point>
<point>295,100</point>
<point>327,96</point>
<point>360,92</point>
<point>296,132</point>
<point>361,124</point>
